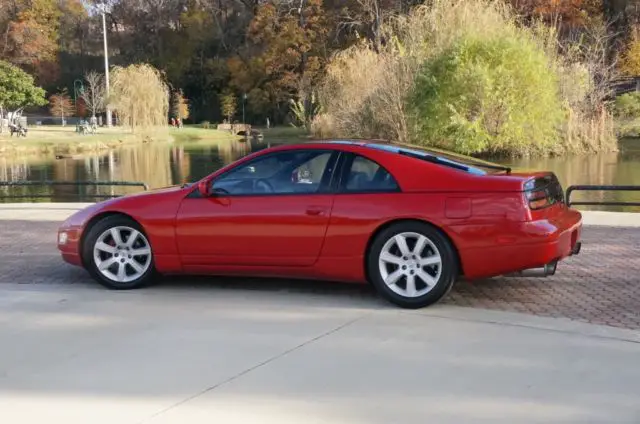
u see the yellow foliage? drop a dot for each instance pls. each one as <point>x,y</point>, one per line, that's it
<point>630,63</point>
<point>140,96</point>
<point>180,106</point>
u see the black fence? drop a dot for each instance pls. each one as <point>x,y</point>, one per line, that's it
<point>79,184</point>
<point>573,188</point>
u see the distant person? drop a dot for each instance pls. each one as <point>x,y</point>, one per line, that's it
<point>173,121</point>
<point>179,122</point>
<point>268,123</point>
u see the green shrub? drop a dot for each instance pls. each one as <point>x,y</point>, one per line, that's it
<point>205,124</point>
<point>470,76</point>
<point>628,105</point>
<point>495,95</point>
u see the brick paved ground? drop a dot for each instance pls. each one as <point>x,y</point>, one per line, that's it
<point>600,286</point>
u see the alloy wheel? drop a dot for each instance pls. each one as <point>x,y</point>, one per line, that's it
<point>410,264</point>
<point>122,254</point>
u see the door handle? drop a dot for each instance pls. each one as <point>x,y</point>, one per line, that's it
<point>316,210</point>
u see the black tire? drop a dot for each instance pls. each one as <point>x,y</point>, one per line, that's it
<point>447,274</point>
<point>90,263</point>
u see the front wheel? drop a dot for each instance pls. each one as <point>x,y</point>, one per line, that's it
<point>118,254</point>
<point>412,264</point>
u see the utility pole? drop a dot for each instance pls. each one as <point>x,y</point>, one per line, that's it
<point>106,64</point>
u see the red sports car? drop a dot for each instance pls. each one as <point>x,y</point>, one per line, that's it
<point>409,221</point>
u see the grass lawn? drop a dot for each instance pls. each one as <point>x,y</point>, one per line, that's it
<point>64,140</point>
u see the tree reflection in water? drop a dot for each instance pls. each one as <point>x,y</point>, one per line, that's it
<point>164,164</point>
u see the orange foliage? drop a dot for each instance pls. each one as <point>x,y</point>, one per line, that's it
<point>571,13</point>
<point>30,38</point>
<point>61,105</point>
<point>29,43</point>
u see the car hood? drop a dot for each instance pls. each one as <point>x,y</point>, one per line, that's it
<point>115,204</point>
<point>155,191</point>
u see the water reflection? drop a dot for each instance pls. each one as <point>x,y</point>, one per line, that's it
<point>165,164</point>
<point>621,168</point>
<point>156,164</point>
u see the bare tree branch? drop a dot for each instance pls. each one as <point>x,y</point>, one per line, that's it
<point>94,95</point>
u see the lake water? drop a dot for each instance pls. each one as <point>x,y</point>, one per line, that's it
<point>165,164</point>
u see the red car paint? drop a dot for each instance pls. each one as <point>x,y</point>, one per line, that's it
<point>325,236</point>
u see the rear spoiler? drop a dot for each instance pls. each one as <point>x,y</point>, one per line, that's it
<point>466,160</point>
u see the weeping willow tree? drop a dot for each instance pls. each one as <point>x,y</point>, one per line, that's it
<point>140,96</point>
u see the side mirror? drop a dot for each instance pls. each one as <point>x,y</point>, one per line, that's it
<point>203,188</point>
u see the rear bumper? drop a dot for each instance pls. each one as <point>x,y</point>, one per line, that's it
<point>526,245</point>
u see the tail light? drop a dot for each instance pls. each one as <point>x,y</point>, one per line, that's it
<point>542,192</point>
<point>537,199</point>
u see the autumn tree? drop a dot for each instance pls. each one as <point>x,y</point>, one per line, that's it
<point>94,94</point>
<point>179,106</point>
<point>30,36</point>
<point>61,105</point>
<point>290,57</point>
<point>75,27</point>
<point>17,89</point>
<point>228,105</point>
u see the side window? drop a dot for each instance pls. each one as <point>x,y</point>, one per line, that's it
<point>367,176</point>
<point>279,173</point>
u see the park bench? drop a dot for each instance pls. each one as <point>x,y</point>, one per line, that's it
<point>85,128</point>
<point>19,130</point>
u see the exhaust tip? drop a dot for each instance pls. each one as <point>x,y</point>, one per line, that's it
<point>550,269</point>
<point>544,271</point>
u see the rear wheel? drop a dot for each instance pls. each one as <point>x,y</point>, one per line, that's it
<point>118,254</point>
<point>412,264</point>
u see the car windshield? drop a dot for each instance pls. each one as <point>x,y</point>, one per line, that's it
<point>460,162</point>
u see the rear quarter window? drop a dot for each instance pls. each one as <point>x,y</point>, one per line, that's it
<point>365,175</point>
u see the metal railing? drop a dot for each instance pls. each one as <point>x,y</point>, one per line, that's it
<point>68,183</point>
<point>573,188</point>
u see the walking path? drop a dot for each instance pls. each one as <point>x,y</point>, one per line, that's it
<point>203,350</point>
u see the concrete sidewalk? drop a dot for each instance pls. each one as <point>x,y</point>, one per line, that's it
<point>196,355</point>
<point>243,351</point>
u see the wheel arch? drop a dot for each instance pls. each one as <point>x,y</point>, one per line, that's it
<point>388,224</point>
<point>93,221</point>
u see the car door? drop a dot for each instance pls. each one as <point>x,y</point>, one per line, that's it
<point>271,211</point>
<point>366,196</point>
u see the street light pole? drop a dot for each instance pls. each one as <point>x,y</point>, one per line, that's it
<point>106,65</point>
<point>244,97</point>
